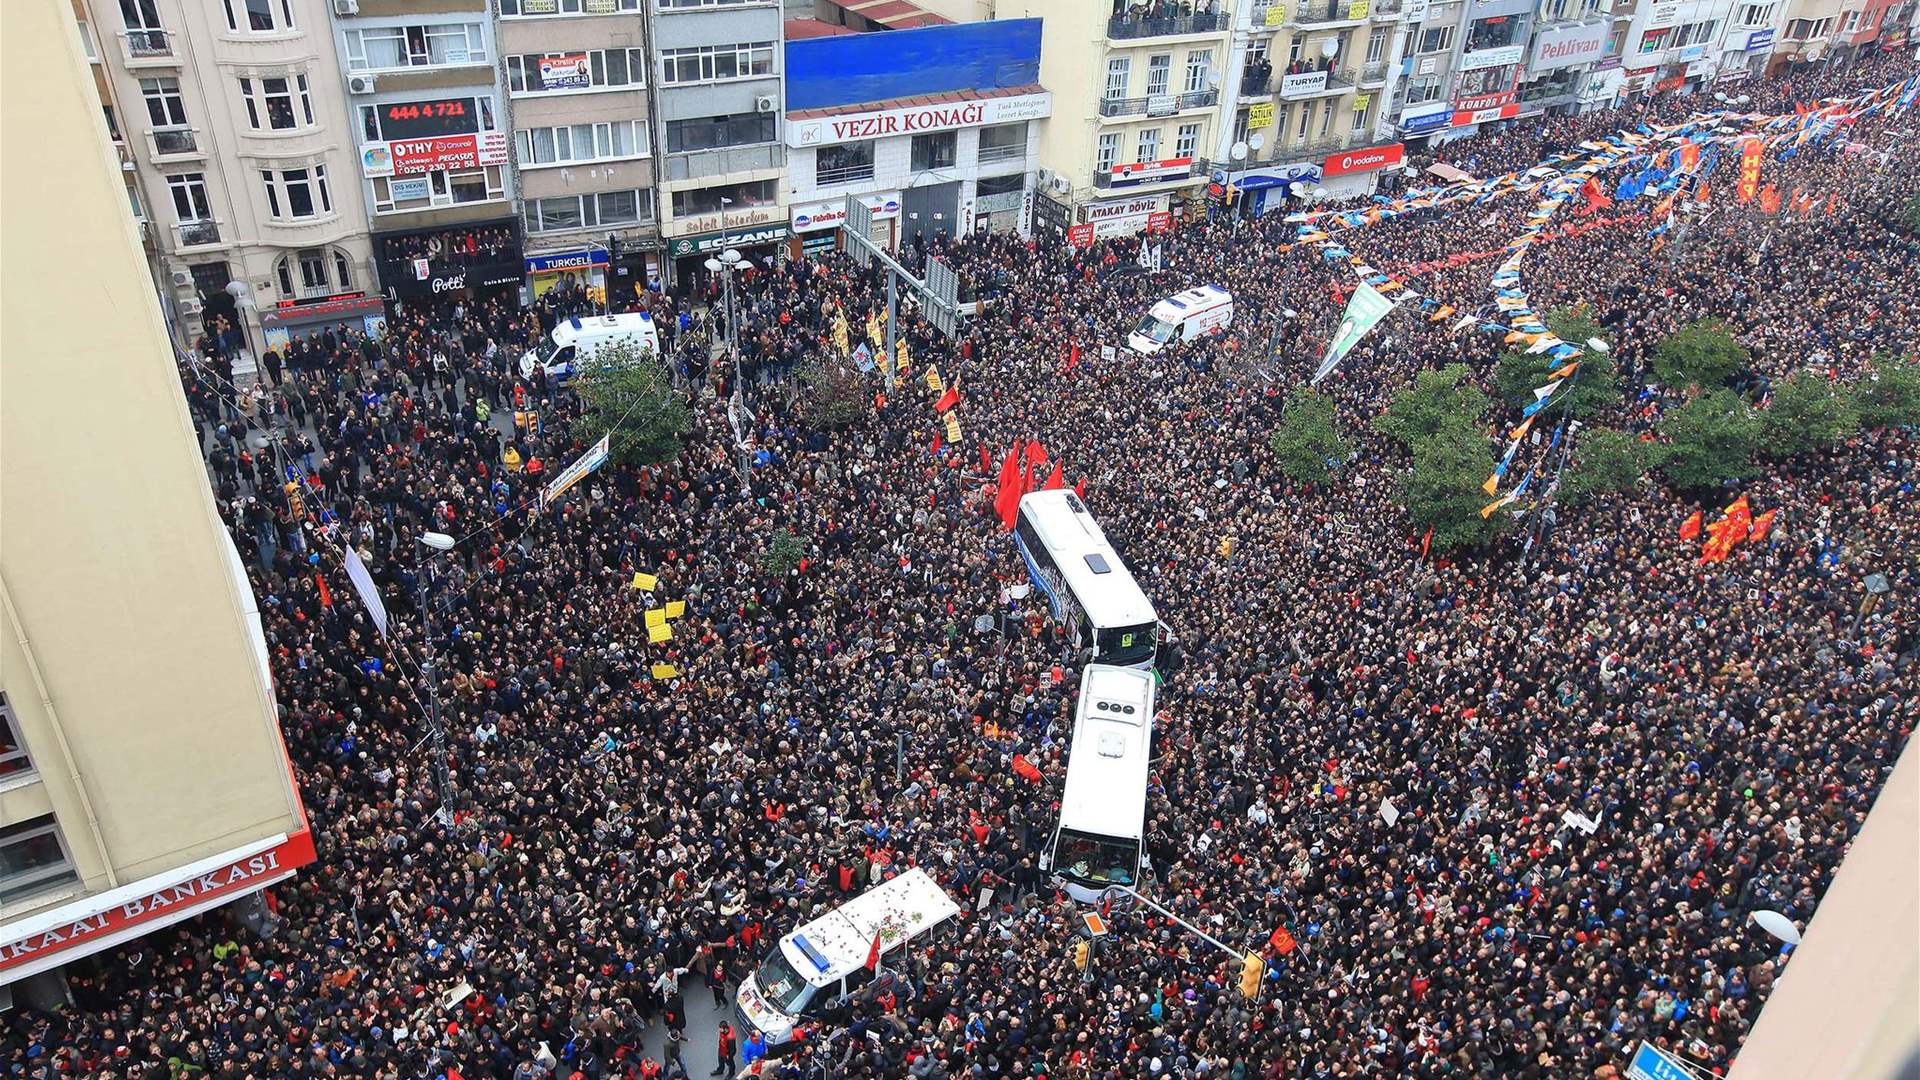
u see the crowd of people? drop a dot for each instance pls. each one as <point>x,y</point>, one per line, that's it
<point>620,842</point>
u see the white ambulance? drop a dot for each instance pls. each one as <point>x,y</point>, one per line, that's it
<point>1197,312</point>
<point>573,343</point>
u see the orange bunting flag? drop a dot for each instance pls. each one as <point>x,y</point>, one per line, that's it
<point>1024,768</point>
<point>1690,528</point>
<point>1769,200</point>
<point>1701,194</point>
<point>1761,526</point>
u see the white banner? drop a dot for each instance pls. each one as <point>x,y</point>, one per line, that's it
<point>369,595</point>
<point>595,457</point>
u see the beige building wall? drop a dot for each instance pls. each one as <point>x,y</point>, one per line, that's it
<point>135,680</point>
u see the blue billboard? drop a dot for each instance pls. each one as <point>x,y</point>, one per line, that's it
<point>856,69</point>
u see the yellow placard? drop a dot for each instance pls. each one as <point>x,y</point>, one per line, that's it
<point>934,382</point>
<point>1276,14</point>
<point>1357,9</point>
<point>1260,116</point>
<point>656,617</point>
<point>676,608</point>
<point>906,362</point>
<point>665,671</point>
<point>645,582</point>
<point>658,634</point>
<point>953,428</point>
<point>1361,101</point>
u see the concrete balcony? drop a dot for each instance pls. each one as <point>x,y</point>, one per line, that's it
<point>1373,76</point>
<point>1322,14</point>
<point>1387,10</point>
<point>144,49</point>
<point>696,164</point>
<point>171,144</point>
<point>1253,88</point>
<point>1129,26</point>
<point>196,234</point>
<point>1159,104</point>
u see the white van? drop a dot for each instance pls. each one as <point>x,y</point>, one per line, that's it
<point>1188,315</point>
<point>825,961</point>
<point>574,342</point>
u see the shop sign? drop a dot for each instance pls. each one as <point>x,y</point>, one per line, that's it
<point>567,71</point>
<point>1425,122</point>
<point>1464,118</point>
<point>1278,177</point>
<point>345,305</point>
<point>1139,172</point>
<point>563,262</point>
<point>1607,63</point>
<point>1353,161</point>
<point>1688,54</point>
<point>1760,39</point>
<point>1477,102</point>
<point>406,188</point>
<point>1661,15</point>
<point>1260,116</point>
<point>1124,208</point>
<point>856,125</point>
<point>407,157</point>
<point>1888,42</point>
<point>1160,222</point>
<point>1565,46</point>
<point>1499,56</point>
<point>832,213</point>
<point>994,204</point>
<point>1303,84</point>
<point>1672,82</point>
<point>698,245</point>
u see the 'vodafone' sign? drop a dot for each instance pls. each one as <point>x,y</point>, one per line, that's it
<point>1353,161</point>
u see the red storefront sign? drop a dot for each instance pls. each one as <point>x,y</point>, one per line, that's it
<point>96,922</point>
<point>1160,221</point>
<point>1140,171</point>
<point>1478,102</point>
<point>1481,116</point>
<point>1080,235</point>
<point>409,157</point>
<point>1353,161</point>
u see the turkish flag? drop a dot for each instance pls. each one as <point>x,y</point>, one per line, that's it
<point>949,399</point>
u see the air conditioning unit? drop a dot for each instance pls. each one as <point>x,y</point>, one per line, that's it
<point>1046,177</point>
<point>1062,185</point>
<point>182,279</point>
<point>190,306</point>
<point>362,84</point>
<point>346,7</point>
<point>766,103</point>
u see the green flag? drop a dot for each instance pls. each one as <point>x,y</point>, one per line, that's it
<point>1365,309</point>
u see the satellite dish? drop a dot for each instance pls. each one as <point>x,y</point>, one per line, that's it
<point>1256,140</point>
<point>1213,78</point>
<point>1297,189</point>
<point>1239,151</point>
<point>1329,47</point>
<point>1778,925</point>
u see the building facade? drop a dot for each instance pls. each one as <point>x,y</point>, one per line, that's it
<point>142,776</point>
<point>717,97</point>
<point>579,78</point>
<point>938,136</point>
<point>234,129</point>
<point>431,134</point>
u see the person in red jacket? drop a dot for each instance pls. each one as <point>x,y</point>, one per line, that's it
<point>727,1044</point>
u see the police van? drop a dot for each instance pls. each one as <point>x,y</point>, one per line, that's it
<point>1182,317</point>
<point>573,343</point>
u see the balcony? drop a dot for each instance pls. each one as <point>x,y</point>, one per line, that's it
<point>845,175</point>
<point>1387,10</point>
<point>1305,85</point>
<point>1329,13</point>
<point>1158,104</point>
<point>696,164</point>
<point>173,142</point>
<point>1547,95</point>
<point>1255,86</point>
<point>1374,75</point>
<point>1136,23</point>
<point>148,48</point>
<point>1103,178</point>
<point>189,234</point>
<point>1011,152</point>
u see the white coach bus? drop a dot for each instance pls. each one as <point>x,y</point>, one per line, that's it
<point>1097,847</point>
<point>1111,621</point>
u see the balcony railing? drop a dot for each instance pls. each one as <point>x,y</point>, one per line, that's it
<point>1010,152</point>
<point>1256,85</point>
<point>170,141</point>
<point>1374,74</point>
<point>197,233</point>
<point>1158,104</point>
<point>1138,24</point>
<point>1316,12</point>
<point>694,164</point>
<point>1387,10</point>
<point>149,44</point>
<point>1103,178</point>
<point>846,174</point>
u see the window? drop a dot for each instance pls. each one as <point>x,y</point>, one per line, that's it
<point>1554,10</point>
<point>372,130</point>
<point>714,132</point>
<point>1423,89</point>
<point>139,15</point>
<point>596,69</point>
<point>277,104</point>
<point>258,16</point>
<point>1242,121</point>
<point>608,208</point>
<point>1306,118</point>
<point>1107,154</point>
<point>1377,45</point>
<point>1695,33</point>
<point>510,8</point>
<point>86,42</point>
<point>1654,40</point>
<point>1326,118</point>
<point>113,122</point>
<point>936,151</point>
<point>1159,74</point>
<point>1003,142</point>
<point>1149,145</point>
<point>1119,70</point>
<point>578,143</point>
<point>297,193</point>
<point>1199,66</point>
<point>189,192</point>
<point>711,63</point>
<point>1436,39</point>
<point>1187,144</point>
<point>844,163</point>
<point>13,749</point>
<point>716,200</point>
<point>32,859</point>
<point>133,199</point>
<point>1360,116</point>
<point>164,105</point>
<point>1492,33</point>
<point>1851,22</point>
<point>387,48</point>
<point>1296,49</point>
<point>442,189</point>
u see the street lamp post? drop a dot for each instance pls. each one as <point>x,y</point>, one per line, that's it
<point>725,265</point>
<point>439,542</point>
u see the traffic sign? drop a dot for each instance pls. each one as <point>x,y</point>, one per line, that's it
<point>1652,1063</point>
<point>1096,926</point>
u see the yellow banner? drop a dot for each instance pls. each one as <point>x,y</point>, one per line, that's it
<point>676,608</point>
<point>934,383</point>
<point>953,428</point>
<point>656,617</point>
<point>658,634</point>
<point>1357,9</point>
<point>1361,101</point>
<point>1260,116</point>
<point>665,671</point>
<point>1276,14</point>
<point>644,582</point>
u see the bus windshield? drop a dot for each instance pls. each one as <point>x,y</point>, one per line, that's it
<point>1102,860</point>
<point>782,986</point>
<point>1124,645</point>
<point>1155,330</point>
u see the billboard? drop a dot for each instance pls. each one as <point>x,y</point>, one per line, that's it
<point>1565,46</point>
<point>858,69</point>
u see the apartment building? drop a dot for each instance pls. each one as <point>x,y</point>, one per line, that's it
<point>430,134</point>
<point>938,136</point>
<point>232,124</point>
<point>578,85</point>
<point>1676,46</point>
<point>142,776</point>
<point>717,96</point>
<point>1840,30</point>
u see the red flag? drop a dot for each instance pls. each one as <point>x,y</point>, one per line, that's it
<point>1426,542</point>
<point>949,399</point>
<point>1762,524</point>
<point>1026,483</point>
<point>326,598</point>
<point>1008,501</point>
<point>1690,528</point>
<point>936,442</point>
<point>1282,941</point>
<point>986,461</point>
<point>1769,200</point>
<point>1701,194</point>
<point>1080,488</point>
<point>1057,480</point>
<point>873,953</point>
<point>1036,454</point>
<point>1024,768</point>
<point>1073,355</point>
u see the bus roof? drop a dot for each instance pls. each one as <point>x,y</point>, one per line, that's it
<point>1107,768</point>
<point>1110,597</point>
<point>906,906</point>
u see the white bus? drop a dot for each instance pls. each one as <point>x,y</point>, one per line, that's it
<point>825,960</point>
<point>1103,812</point>
<point>1089,588</point>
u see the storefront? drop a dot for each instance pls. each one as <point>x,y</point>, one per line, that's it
<point>1267,189</point>
<point>1122,217</point>
<point>584,269</point>
<point>297,319</point>
<point>466,260</point>
<point>1351,173</point>
<point>690,253</point>
<point>816,225</point>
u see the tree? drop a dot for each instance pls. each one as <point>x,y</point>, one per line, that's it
<point>1702,353</point>
<point>1711,440</point>
<point>1307,436</point>
<point>1807,413</point>
<point>1434,400</point>
<point>1595,385</point>
<point>1605,460</point>
<point>1443,490</point>
<point>831,393</point>
<point>627,391</point>
<point>783,552</point>
<point>1889,395</point>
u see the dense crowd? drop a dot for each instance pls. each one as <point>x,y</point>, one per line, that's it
<point>620,843</point>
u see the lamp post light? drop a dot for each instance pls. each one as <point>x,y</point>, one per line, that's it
<point>439,543</point>
<point>725,265</point>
